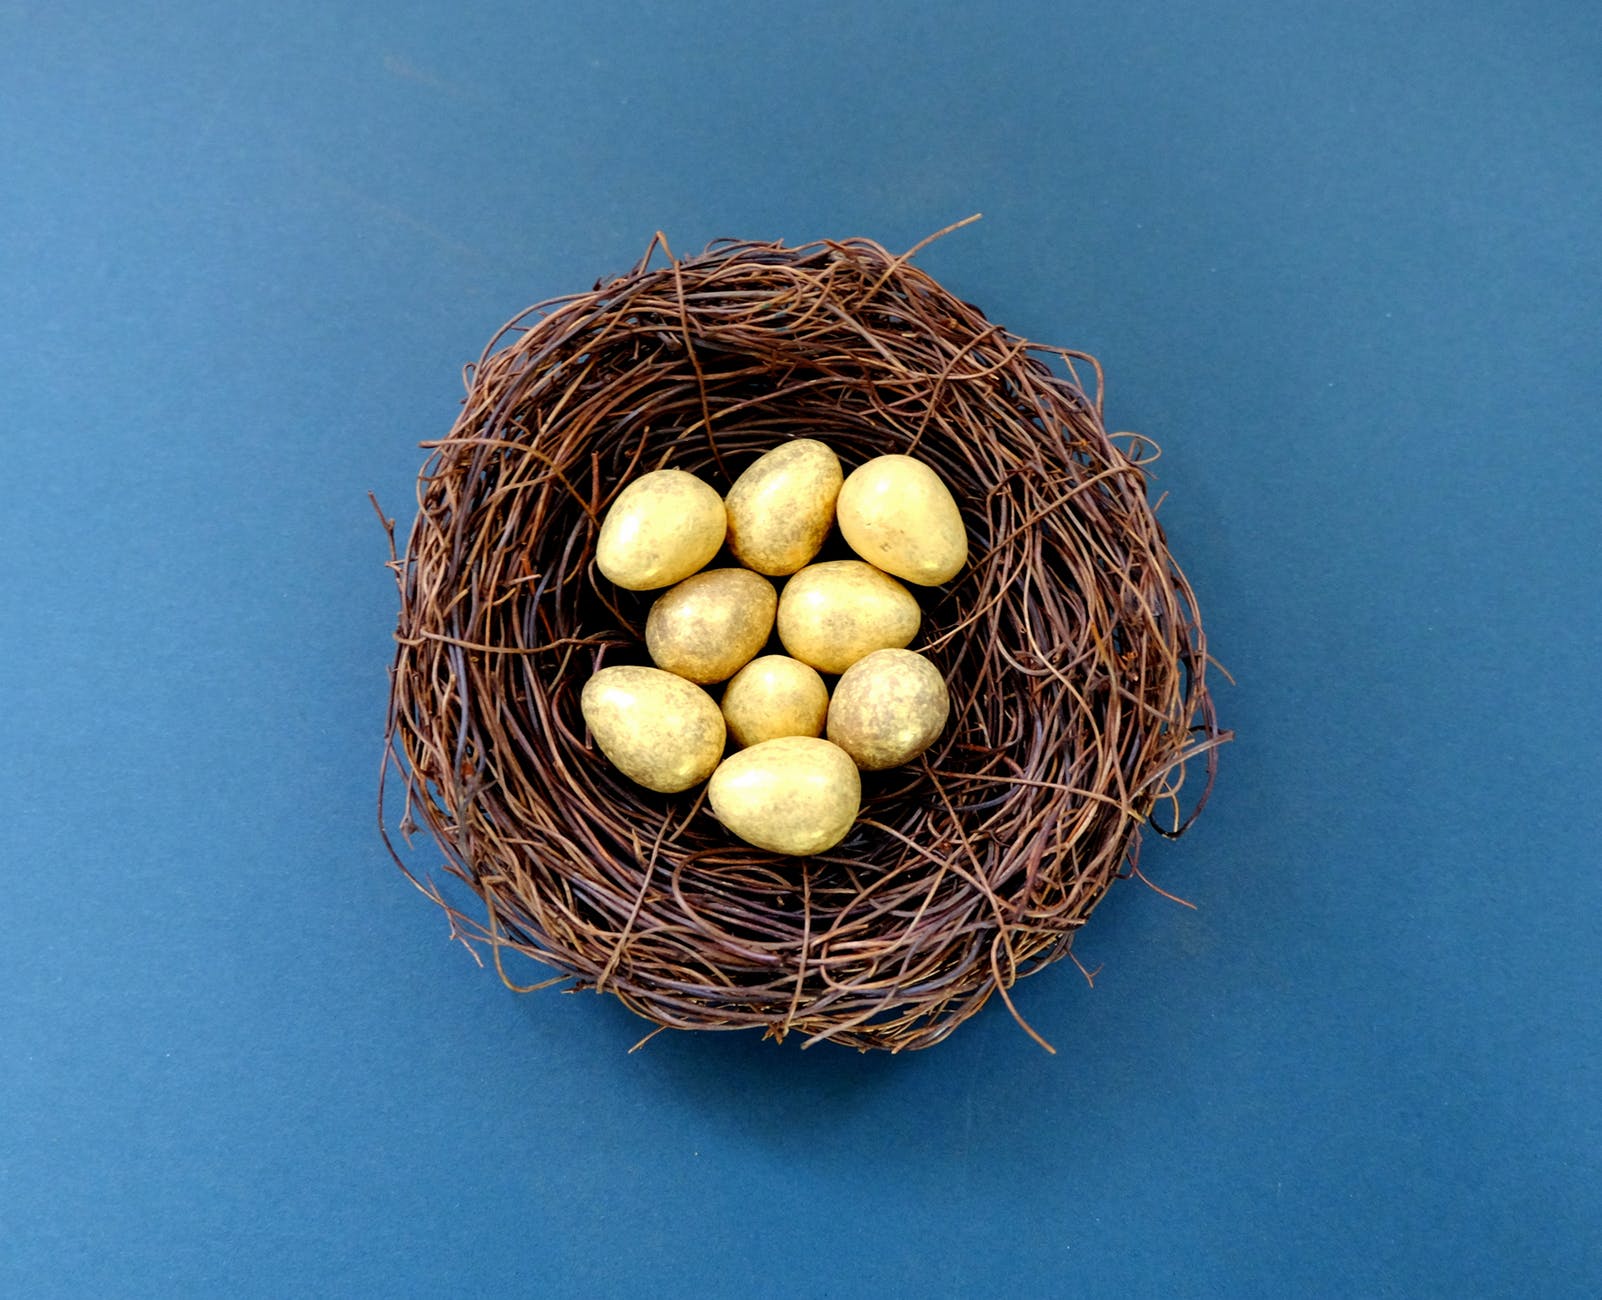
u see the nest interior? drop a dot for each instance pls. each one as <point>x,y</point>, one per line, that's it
<point>1070,644</point>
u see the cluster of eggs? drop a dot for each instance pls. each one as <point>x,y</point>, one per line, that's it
<point>792,785</point>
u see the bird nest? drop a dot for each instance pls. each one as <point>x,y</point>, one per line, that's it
<point>1070,644</point>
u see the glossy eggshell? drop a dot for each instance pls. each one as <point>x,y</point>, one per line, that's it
<point>780,508</point>
<point>888,708</point>
<point>794,795</point>
<point>895,513</point>
<point>661,528</point>
<point>709,626</point>
<point>832,614</point>
<point>657,729</point>
<point>774,696</point>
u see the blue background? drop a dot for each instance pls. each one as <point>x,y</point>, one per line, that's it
<point>1344,264</point>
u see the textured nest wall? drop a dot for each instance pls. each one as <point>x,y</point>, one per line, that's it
<point>1070,644</point>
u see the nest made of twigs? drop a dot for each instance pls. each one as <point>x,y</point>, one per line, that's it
<point>1070,644</point>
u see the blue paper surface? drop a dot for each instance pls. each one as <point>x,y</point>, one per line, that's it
<point>1343,262</point>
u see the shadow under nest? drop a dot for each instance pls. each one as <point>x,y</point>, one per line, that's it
<point>1070,644</point>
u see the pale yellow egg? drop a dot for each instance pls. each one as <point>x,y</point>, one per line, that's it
<point>895,513</point>
<point>888,708</point>
<point>774,696</point>
<point>662,527</point>
<point>657,729</point>
<point>781,507</point>
<point>794,795</point>
<point>708,627</point>
<point>831,614</point>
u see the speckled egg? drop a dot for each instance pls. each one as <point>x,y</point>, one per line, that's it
<point>774,696</point>
<point>657,729</point>
<point>831,614</point>
<point>709,626</point>
<point>795,795</point>
<point>888,708</point>
<point>780,508</point>
<point>662,527</point>
<point>895,513</point>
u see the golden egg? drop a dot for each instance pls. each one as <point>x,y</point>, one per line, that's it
<point>662,527</point>
<point>657,729</point>
<point>780,509</point>
<point>896,514</point>
<point>832,614</point>
<point>774,696</point>
<point>795,795</point>
<point>888,708</point>
<point>708,627</point>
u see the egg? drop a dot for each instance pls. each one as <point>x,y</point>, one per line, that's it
<point>774,696</point>
<point>831,614</point>
<point>888,708</point>
<point>657,729</point>
<point>780,509</point>
<point>896,514</point>
<point>662,527</point>
<point>708,627</point>
<point>794,795</point>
